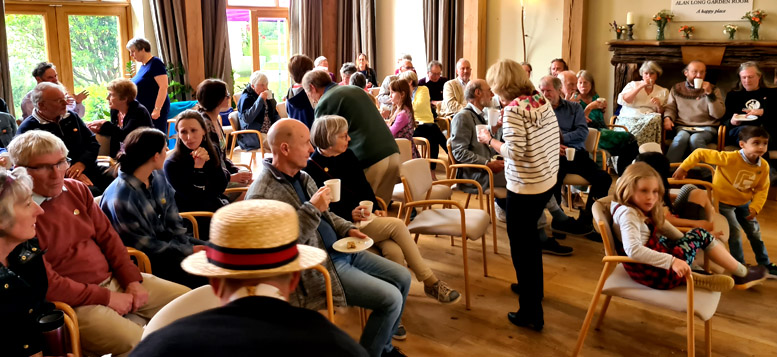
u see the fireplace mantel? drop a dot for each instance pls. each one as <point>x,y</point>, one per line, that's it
<point>628,55</point>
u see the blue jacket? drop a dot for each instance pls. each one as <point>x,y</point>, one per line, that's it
<point>298,107</point>
<point>572,124</point>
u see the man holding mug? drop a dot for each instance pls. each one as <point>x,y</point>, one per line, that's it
<point>692,111</point>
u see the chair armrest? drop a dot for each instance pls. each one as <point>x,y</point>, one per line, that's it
<point>450,182</point>
<point>244,166</point>
<point>699,165</point>
<point>619,259</point>
<point>382,204</point>
<point>190,216</point>
<point>144,264</point>
<point>613,126</point>
<point>721,137</point>
<point>438,161</point>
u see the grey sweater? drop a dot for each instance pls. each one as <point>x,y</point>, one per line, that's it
<point>691,107</point>
<point>272,185</point>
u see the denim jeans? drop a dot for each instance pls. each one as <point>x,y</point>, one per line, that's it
<point>378,284</point>
<point>697,140</point>
<point>737,218</point>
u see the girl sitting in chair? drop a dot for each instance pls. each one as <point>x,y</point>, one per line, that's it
<point>664,252</point>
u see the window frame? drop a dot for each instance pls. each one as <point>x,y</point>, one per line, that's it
<point>263,12</point>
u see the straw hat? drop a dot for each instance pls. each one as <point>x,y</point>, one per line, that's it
<point>253,239</point>
<point>650,147</point>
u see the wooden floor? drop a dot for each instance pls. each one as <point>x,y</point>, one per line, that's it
<point>745,323</point>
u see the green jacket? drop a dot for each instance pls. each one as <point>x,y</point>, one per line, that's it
<point>371,139</point>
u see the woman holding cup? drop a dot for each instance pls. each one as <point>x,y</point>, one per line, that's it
<point>642,105</point>
<point>620,144</point>
<point>23,282</point>
<point>332,160</point>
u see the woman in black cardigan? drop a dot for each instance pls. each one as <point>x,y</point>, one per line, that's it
<point>333,160</point>
<point>127,114</point>
<point>23,282</point>
<point>195,169</point>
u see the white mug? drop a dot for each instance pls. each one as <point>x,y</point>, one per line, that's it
<point>570,154</point>
<point>366,212</point>
<point>481,127</point>
<point>697,82</point>
<point>334,189</point>
<point>493,117</point>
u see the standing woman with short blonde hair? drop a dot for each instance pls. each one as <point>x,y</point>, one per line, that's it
<point>531,151</point>
<point>152,81</point>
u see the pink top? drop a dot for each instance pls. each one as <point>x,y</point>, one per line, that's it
<point>403,128</point>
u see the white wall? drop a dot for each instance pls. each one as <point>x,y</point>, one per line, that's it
<point>142,24</point>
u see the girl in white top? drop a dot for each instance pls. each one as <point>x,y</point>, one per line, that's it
<point>664,252</point>
<point>642,104</point>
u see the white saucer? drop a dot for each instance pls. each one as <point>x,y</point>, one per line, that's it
<point>361,244</point>
<point>742,117</point>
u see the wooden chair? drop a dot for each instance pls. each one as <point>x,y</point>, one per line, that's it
<point>458,221</point>
<point>71,319</point>
<point>437,192</point>
<point>233,138</point>
<point>423,146</point>
<point>281,108</point>
<point>203,298</point>
<point>491,192</point>
<point>591,146</point>
<point>192,218</point>
<point>614,281</point>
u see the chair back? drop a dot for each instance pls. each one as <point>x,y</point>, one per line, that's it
<point>281,108</point>
<point>592,141</point>
<point>417,176</point>
<point>192,302</point>
<point>405,149</point>
<point>234,120</point>
<point>451,158</point>
<point>603,219</point>
<point>423,146</point>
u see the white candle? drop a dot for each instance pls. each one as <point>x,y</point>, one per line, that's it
<point>628,18</point>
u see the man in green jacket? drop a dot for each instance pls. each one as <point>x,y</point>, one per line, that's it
<point>371,139</point>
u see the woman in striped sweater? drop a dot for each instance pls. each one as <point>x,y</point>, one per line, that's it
<point>531,151</point>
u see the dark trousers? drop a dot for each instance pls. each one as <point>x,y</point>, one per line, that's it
<point>436,139</point>
<point>589,170</point>
<point>523,212</point>
<point>167,265</point>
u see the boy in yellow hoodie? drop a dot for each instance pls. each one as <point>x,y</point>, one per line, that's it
<point>741,182</point>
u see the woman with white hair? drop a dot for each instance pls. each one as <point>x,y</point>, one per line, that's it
<point>256,110</point>
<point>642,104</point>
<point>23,282</point>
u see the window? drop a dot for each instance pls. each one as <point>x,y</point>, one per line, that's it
<point>259,41</point>
<point>85,43</point>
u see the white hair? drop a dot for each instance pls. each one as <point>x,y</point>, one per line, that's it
<point>318,60</point>
<point>258,78</point>
<point>37,92</point>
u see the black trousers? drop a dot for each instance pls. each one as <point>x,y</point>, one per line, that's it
<point>589,170</point>
<point>167,265</point>
<point>523,212</point>
<point>436,139</point>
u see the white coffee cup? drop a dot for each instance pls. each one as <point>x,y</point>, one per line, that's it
<point>367,211</point>
<point>601,100</point>
<point>334,189</point>
<point>481,127</point>
<point>493,117</point>
<point>697,83</point>
<point>570,154</point>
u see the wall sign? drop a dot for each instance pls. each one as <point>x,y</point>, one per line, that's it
<point>710,10</point>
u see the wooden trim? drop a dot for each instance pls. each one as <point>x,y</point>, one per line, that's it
<point>70,3</point>
<point>474,37</point>
<point>255,54</point>
<point>574,33</point>
<point>196,65</point>
<point>329,36</point>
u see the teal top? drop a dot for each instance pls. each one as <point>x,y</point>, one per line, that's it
<point>371,140</point>
<point>596,115</point>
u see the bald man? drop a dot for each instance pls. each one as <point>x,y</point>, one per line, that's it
<point>453,100</point>
<point>365,279</point>
<point>568,84</point>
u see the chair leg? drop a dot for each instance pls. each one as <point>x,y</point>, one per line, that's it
<point>708,338</point>
<point>466,270</point>
<point>493,225</point>
<point>569,198</point>
<point>691,334</point>
<point>452,243</point>
<point>485,265</point>
<point>603,311</point>
<point>416,238</point>
<point>591,309</point>
<point>466,204</point>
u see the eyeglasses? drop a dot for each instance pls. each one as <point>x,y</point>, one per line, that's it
<point>61,165</point>
<point>60,101</point>
<point>436,73</point>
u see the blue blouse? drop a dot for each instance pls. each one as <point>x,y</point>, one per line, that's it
<point>148,89</point>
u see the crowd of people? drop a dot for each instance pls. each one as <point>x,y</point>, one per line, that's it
<point>339,131</point>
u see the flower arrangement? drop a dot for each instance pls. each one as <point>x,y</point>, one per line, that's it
<point>619,29</point>
<point>661,19</point>
<point>755,17</point>
<point>687,31</point>
<point>730,30</point>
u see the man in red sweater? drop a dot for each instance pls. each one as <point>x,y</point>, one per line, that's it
<point>86,261</point>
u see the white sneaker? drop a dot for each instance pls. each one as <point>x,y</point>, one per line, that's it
<point>501,215</point>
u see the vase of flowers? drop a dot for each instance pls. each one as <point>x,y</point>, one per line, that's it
<point>618,29</point>
<point>661,19</point>
<point>687,31</point>
<point>755,17</point>
<point>730,30</point>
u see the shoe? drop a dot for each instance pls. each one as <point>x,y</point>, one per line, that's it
<point>712,282</point>
<point>755,275</point>
<point>514,288</point>
<point>570,226</point>
<point>400,334</point>
<point>552,247</point>
<point>501,215</point>
<point>593,236</point>
<point>518,320</point>
<point>772,268</point>
<point>395,352</point>
<point>441,292</point>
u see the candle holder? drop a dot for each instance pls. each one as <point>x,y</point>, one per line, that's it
<point>630,32</point>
